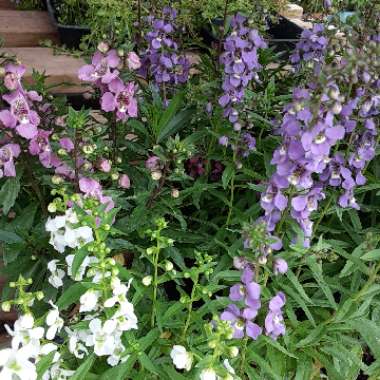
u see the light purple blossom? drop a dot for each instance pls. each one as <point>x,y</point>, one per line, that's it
<point>102,68</point>
<point>274,321</point>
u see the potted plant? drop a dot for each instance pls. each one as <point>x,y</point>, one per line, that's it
<point>70,20</point>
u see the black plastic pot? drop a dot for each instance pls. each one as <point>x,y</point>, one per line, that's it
<point>283,34</point>
<point>70,35</point>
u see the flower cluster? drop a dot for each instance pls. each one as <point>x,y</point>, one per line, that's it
<point>318,119</point>
<point>161,59</point>
<point>117,96</point>
<point>242,319</point>
<point>104,310</point>
<point>311,48</point>
<point>22,119</point>
<point>240,62</point>
<point>63,233</point>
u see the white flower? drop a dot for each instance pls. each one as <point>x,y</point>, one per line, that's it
<point>57,373</point>
<point>117,355</point>
<point>181,358</point>
<point>62,233</point>
<point>26,335</point>
<point>55,224</point>
<point>54,321</point>
<point>102,337</point>
<point>82,269</point>
<point>125,317</point>
<point>119,291</point>
<point>84,235</point>
<point>16,365</point>
<point>75,345</point>
<point>208,374</point>
<point>228,367</point>
<point>57,240</point>
<point>71,216</point>
<point>89,300</point>
<point>56,274</point>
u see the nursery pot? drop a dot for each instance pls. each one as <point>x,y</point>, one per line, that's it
<point>70,35</point>
<point>284,34</point>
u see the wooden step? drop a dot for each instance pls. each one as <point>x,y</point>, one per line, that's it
<point>59,68</point>
<point>7,4</point>
<point>26,28</point>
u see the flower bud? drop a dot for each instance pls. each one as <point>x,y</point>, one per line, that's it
<point>234,352</point>
<point>52,207</point>
<point>56,180</point>
<point>124,181</point>
<point>263,260</point>
<point>169,266</point>
<point>175,193</point>
<point>115,176</point>
<point>156,175</point>
<point>6,306</point>
<point>147,280</point>
<point>103,47</point>
<point>40,295</point>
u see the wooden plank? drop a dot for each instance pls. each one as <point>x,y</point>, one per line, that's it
<point>6,4</point>
<point>26,28</point>
<point>59,68</point>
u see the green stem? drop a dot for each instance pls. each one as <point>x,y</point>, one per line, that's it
<point>243,355</point>
<point>232,196</point>
<point>323,214</point>
<point>155,284</point>
<point>189,309</point>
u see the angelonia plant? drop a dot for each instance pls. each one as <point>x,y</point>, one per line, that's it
<point>207,221</point>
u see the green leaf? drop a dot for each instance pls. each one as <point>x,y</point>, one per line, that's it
<point>264,365</point>
<point>304,368</point>
<point>317,274</point>
<point>9,193</point>
<point>228,173</point>
<point>278,346</point>
<point>121,371</point>
<point>373,255</point>
<point>293,279</point>
<point>173,374</point>
<point>148,339</point>
<point>79,257</point>
<point>370,332</point>
<point>84,368</point>
<point>10,237</point>
<point>44,364</point>
<point>178,122</point>
<point>72,294</point>
<point>147,363</point>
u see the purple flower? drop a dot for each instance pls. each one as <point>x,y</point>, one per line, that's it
<point>161,59</point>
<point>120,97</point>
<point>92,188</point>
<point>67,144</point>
<point>20,116</point>
<point>241,322</point>
<point>8,153</point>
<point>280,266</point>
<point>223,140</point>
<point>153,163</point>
<point>40,145</point>
<point>274,321</point>
<point>240,61</point>
<point>312,48</point>
<point>13,76</point>
<point>102,68</point>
